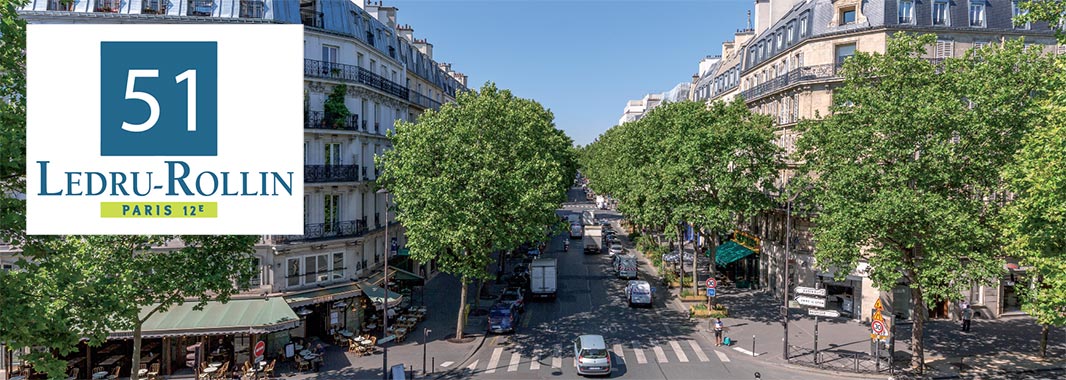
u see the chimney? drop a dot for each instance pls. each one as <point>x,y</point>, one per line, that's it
<point>742,37</point>
<point>727,48</point>
<point>405,32</point>
<point>778,8</point>
<point>707,62</point>
<point>446,67</point>
<point>762,15</point>
<point>387,15</point>
<point>424,47</point>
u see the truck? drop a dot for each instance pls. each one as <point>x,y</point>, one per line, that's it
<point>543,278</point>
<point>593,239</point>
<point>588,217</point>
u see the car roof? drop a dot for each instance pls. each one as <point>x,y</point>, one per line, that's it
<point>592,342</point>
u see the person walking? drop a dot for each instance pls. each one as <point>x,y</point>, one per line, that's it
<point>718,327</point>
<point>967,314</point>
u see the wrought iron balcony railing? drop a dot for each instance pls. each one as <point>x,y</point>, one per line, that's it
<point>322,231</point>
<point>424,101</point>
<point>201,8</point>
<point>319,120</point>
<point>330,173</point>
<point>156,7</point>
<point>107,6</point>
<point>353,74</point>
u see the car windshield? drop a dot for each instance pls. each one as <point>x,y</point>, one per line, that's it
<point>640,290</point>
<point>594,353</point>
<point>500,313</point>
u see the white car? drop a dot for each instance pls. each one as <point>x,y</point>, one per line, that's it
<point>639,292</point>
<point>616,250</point>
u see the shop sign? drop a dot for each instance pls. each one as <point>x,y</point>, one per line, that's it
<point>746,240</point>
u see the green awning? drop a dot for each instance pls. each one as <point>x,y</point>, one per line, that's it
<point>729,252</point>
<point>377,294</point>
<point>322,295</point>
<point>402,275</point>
<point>403,252</point>
<point>238,316</point>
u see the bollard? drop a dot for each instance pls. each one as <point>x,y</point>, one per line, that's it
<point>433,363</point>
<point>753,346</point>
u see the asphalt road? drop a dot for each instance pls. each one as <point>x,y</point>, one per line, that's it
<point>655,343</point>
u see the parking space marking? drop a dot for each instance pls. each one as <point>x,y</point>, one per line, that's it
<point>494,360</point>
<point>641,359</point>
<point>677,351</point>
<point>721,356</point>
<point>515,360</point>
<point>660,356</point>
<point>699,351</point>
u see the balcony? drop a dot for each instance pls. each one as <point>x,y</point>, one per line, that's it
<point>424,101</point>
<point>107,6</point>
<point>319,120</point>
<point>252,9</point>
<point>60,5</point>
<point>330,173</point>
<point>323,231</point>
<point>203,8</point>
<point>154,7</point>
<point>353,74</point>
<point>797,75</point>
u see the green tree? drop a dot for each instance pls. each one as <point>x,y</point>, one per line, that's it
<point>1053,12</point>
<point>904,167</point>
<point>1035,221</point>
<point>336,112</point>
<point>484,173</point>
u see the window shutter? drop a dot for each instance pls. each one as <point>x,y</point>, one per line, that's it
<point>945,48</point>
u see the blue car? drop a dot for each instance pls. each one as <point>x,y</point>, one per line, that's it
<point>503,318</point>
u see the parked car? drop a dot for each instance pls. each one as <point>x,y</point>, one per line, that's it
<point>514,296</point>
<point>639,292</point>
<point>625,266</point>
<point>591,356</point>
<point>615,240</point>
<point>616,250</point>
<point>503,318</point>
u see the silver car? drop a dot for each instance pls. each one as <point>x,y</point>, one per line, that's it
<point>639,292</point>
<point>591,356</point>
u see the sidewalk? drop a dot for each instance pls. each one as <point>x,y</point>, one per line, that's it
<point>1003,348</point>
<point>442,303</point>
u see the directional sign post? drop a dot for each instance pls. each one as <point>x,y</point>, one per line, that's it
<point>823,313</point>
<point>811,301</point>
<point>810,291</point>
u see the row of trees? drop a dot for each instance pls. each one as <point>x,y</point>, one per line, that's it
<point>930,172</point>
<point>483,174</point>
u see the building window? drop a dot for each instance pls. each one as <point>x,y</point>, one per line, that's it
<point>847,16</point>
<point>156,7</point>
<point>780,40</point>
<point>906,11</point>
<point>940,13</point>
<point>257,278</point>
<point>329,53</point>
<point>292,274</point>
<point>803,27</point>
<point>977,14</point>
<point>201,7</point>
<point>944,49</point>
<point>338,265</point>
<point>332,153</point>
<point>331,207</point>
<point>843,52</point>
<point>1016,12</point>
<point>791,33</point>
<point>251,9</point>
<point>980,44</point>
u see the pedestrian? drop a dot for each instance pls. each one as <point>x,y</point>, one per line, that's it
<point>718,327</point>
<point>967,314</point>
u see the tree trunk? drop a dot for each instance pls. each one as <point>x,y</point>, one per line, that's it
<point>681,258</point>
<point>712,248</point>
<point>695,255</point>
<point>920,312</point>
<point>136,350</point>
<point>1043,340</point>
<point>461,320</point>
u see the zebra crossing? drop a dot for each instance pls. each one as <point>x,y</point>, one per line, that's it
<point>580,205</point>
<point>632,354</point>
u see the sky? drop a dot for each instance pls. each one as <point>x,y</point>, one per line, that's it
<point>582,59</point>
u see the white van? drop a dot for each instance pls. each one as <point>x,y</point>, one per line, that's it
<point>626,266</point>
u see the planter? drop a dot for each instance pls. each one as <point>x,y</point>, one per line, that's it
<point>701,311</point>
<point>693,298</point>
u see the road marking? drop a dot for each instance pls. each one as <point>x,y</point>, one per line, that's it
<point>677,351</point>
<point>494,360</point>
<point>534,364</point>
<point>472,366</point>
<point>659,354</point>
<point>557,362</point>
<point>515,359</point>
<point>446,364</point>
<point>618,352</point>
<point>721,356</point>
<point>746,352</point>
<point>699,351</point>
<point>641,359</point>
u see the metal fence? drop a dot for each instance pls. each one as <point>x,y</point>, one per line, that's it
<point>839,360</point>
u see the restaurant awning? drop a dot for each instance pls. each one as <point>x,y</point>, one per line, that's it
<point>377,295</point>
<point>729,252</point>
<point>238,316</point>
<point>403,275</point>
<point>322,295</point>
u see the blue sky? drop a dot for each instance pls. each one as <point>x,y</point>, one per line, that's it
<point>582,59</point>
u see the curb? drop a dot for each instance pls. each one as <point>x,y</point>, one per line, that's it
<point>806,369</point>
<point>466,359</point>
<point>993,373</point>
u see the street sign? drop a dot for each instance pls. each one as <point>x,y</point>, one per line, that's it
<point>810,291</point>
<point>878,327</point>
<point>878,306</point>
<point>712,283</point>
<point>811,301</point>
<point>260,349</point>
<point>711,292</point>
<point>823,313</point>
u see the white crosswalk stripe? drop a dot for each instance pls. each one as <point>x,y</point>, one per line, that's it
<point>515,360</point>
<point>641,359</point>
<point>446,364</point>
<point>677,351</point>
<point>618,352</point>
<point>659,354</point>
<point>557,362</point>
<point>699,351</point>
<point>494,360</point>
<point>472,366</point>
<point>534,364</point>
<point>721,356</point>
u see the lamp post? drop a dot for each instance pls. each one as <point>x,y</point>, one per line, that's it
<point>788,254</point>
<point>385,300</point>
<point>425,338</point>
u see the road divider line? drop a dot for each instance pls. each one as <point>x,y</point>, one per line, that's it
<point>699,351</point>
<point>721,356</point>
<point>677,351</point>
<point>660,356</point>
<point>641,359</point>
<point>515,360</point>
<point>494,360</point>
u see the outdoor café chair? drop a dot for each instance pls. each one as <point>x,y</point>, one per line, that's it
<point>115,373</point>
<point>73,373</point>
<point>153,371</point>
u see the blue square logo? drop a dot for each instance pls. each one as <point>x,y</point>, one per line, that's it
<point>158,99</point>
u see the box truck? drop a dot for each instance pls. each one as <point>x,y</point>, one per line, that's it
<point>543,276</point>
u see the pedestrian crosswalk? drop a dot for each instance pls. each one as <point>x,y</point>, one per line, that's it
<point>579,205</point>
<point>632,354</point>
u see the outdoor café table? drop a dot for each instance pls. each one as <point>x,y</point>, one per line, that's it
<point>346,333</point>
<point>19,378</point>
<point>211,369</point>
<point>299,347</point>
<point>148,358</point>
<point>372,326</point>
<point>214,364</point>
<point>111,361</point>
<point>100,375</point>
<point>365,342</point>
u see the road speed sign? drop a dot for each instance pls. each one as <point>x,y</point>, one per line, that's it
<point>878,327</point>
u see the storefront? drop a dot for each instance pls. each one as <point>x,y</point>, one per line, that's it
<point>737,262</point>
<point>323,312</point>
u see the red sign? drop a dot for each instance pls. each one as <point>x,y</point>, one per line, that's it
<point>260,348</point>
<point>711,283</point>
<point>878,327</point>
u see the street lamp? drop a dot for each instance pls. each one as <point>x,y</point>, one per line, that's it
<point>425,338</point>
<point>788,254</point>
<point>385,301</point>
